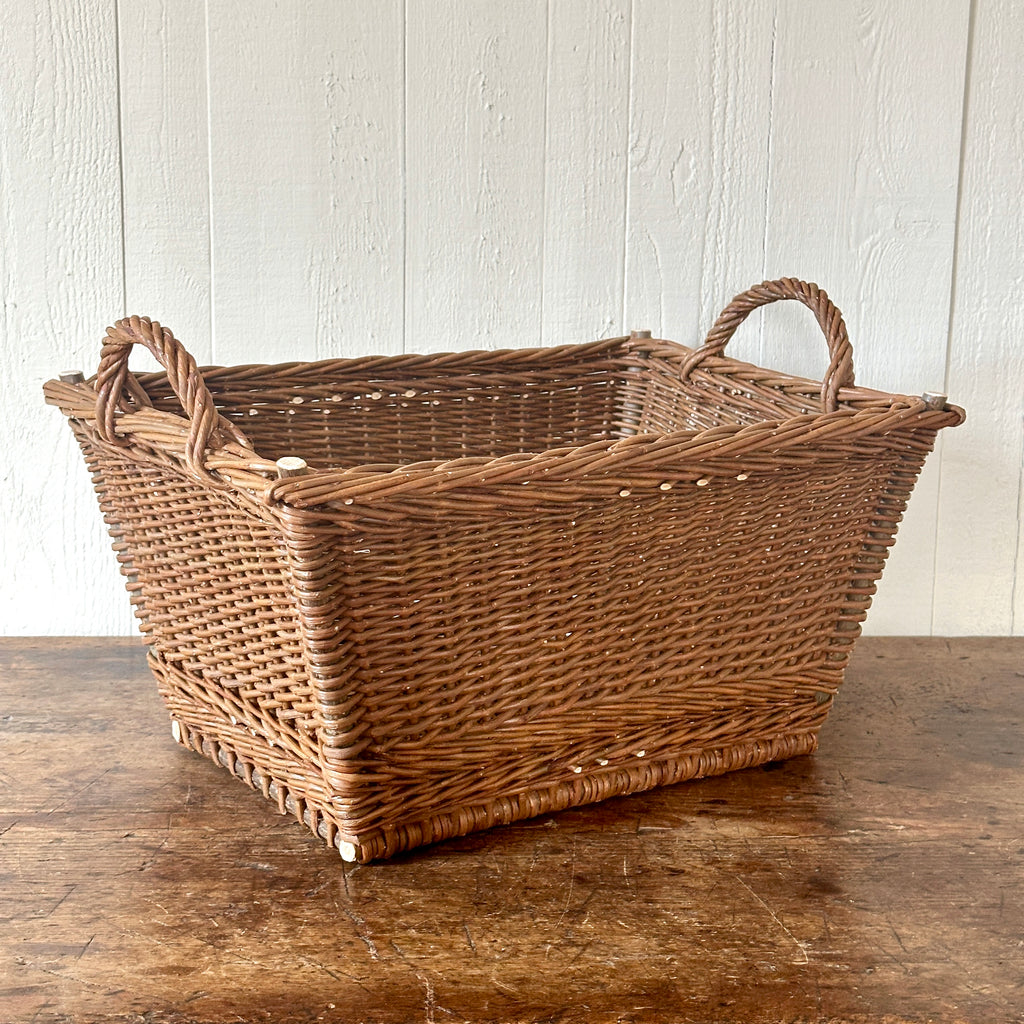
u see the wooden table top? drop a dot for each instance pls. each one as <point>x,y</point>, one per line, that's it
<point>878,880</point>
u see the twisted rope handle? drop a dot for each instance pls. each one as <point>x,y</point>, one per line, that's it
<point>114,381</point>
<point>830,320</point>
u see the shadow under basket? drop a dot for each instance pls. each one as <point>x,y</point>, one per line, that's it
<point>410,597</point>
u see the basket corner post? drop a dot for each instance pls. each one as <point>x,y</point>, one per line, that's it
<point>316,562</point>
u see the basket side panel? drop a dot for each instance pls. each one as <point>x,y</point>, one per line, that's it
<point>210,586</point>
<point>734,393</point>
<point>397,414</point>
<point>500,653</point>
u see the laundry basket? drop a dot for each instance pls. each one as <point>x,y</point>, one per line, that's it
<point>410,597</point>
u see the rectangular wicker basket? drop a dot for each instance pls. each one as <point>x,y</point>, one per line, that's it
<point>411,597</point>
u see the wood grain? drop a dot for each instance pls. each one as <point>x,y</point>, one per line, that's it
<point>876,881</point>
<point>980,545</point>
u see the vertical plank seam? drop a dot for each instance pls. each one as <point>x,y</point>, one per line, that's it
<point>713,155</point>
<point>964,114</point>
<point>1015,624</point>
<point>210,247</point>
<point>118,87</point>
<point>627,177</point>
<point>768,174</point>
<point>541,333</point>
<point>708,156</point>
<point>404,175</point>
<point>953,278</point>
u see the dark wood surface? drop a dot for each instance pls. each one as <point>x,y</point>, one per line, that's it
<point>881,879</point>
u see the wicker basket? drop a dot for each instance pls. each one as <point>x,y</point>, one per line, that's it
<point>416,596</point>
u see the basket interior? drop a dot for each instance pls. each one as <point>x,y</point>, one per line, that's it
<point>404,410</point>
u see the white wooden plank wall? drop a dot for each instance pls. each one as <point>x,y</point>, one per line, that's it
<point>62,274</point>
<point>979,551</point>
<point>474,173</point>
<point>865,151</point>
<point>302,179</point>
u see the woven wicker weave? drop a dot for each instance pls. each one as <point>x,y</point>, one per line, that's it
<point>509,582</point>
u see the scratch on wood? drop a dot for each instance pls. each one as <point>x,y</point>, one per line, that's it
<point>341,976</point>
<point>583,949</point>
<point>572,882</point>
<point>360,932</point>
<point>428,1002</point>
<point>896,934</point>
<point>78,792</point>
<point>771,913</point>
<point>469,938</point>
<point>533,859</point>
<point>71,889</point>
<point>504,989</point>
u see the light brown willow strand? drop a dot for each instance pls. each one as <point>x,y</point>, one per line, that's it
<point>505,582</point>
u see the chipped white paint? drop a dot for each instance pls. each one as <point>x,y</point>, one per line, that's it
<point>387,176</point>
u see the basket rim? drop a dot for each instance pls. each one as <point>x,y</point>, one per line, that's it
<point>864,413</point>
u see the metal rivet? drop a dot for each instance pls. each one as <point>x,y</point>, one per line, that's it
<point>934,400</point>
<point>640,335</point>
<point>72,377</point>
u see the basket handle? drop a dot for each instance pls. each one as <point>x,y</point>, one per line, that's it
<point>114,382</point>
<point>830,320</point>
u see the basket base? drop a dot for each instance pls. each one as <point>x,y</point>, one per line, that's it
<point>390,841</point>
